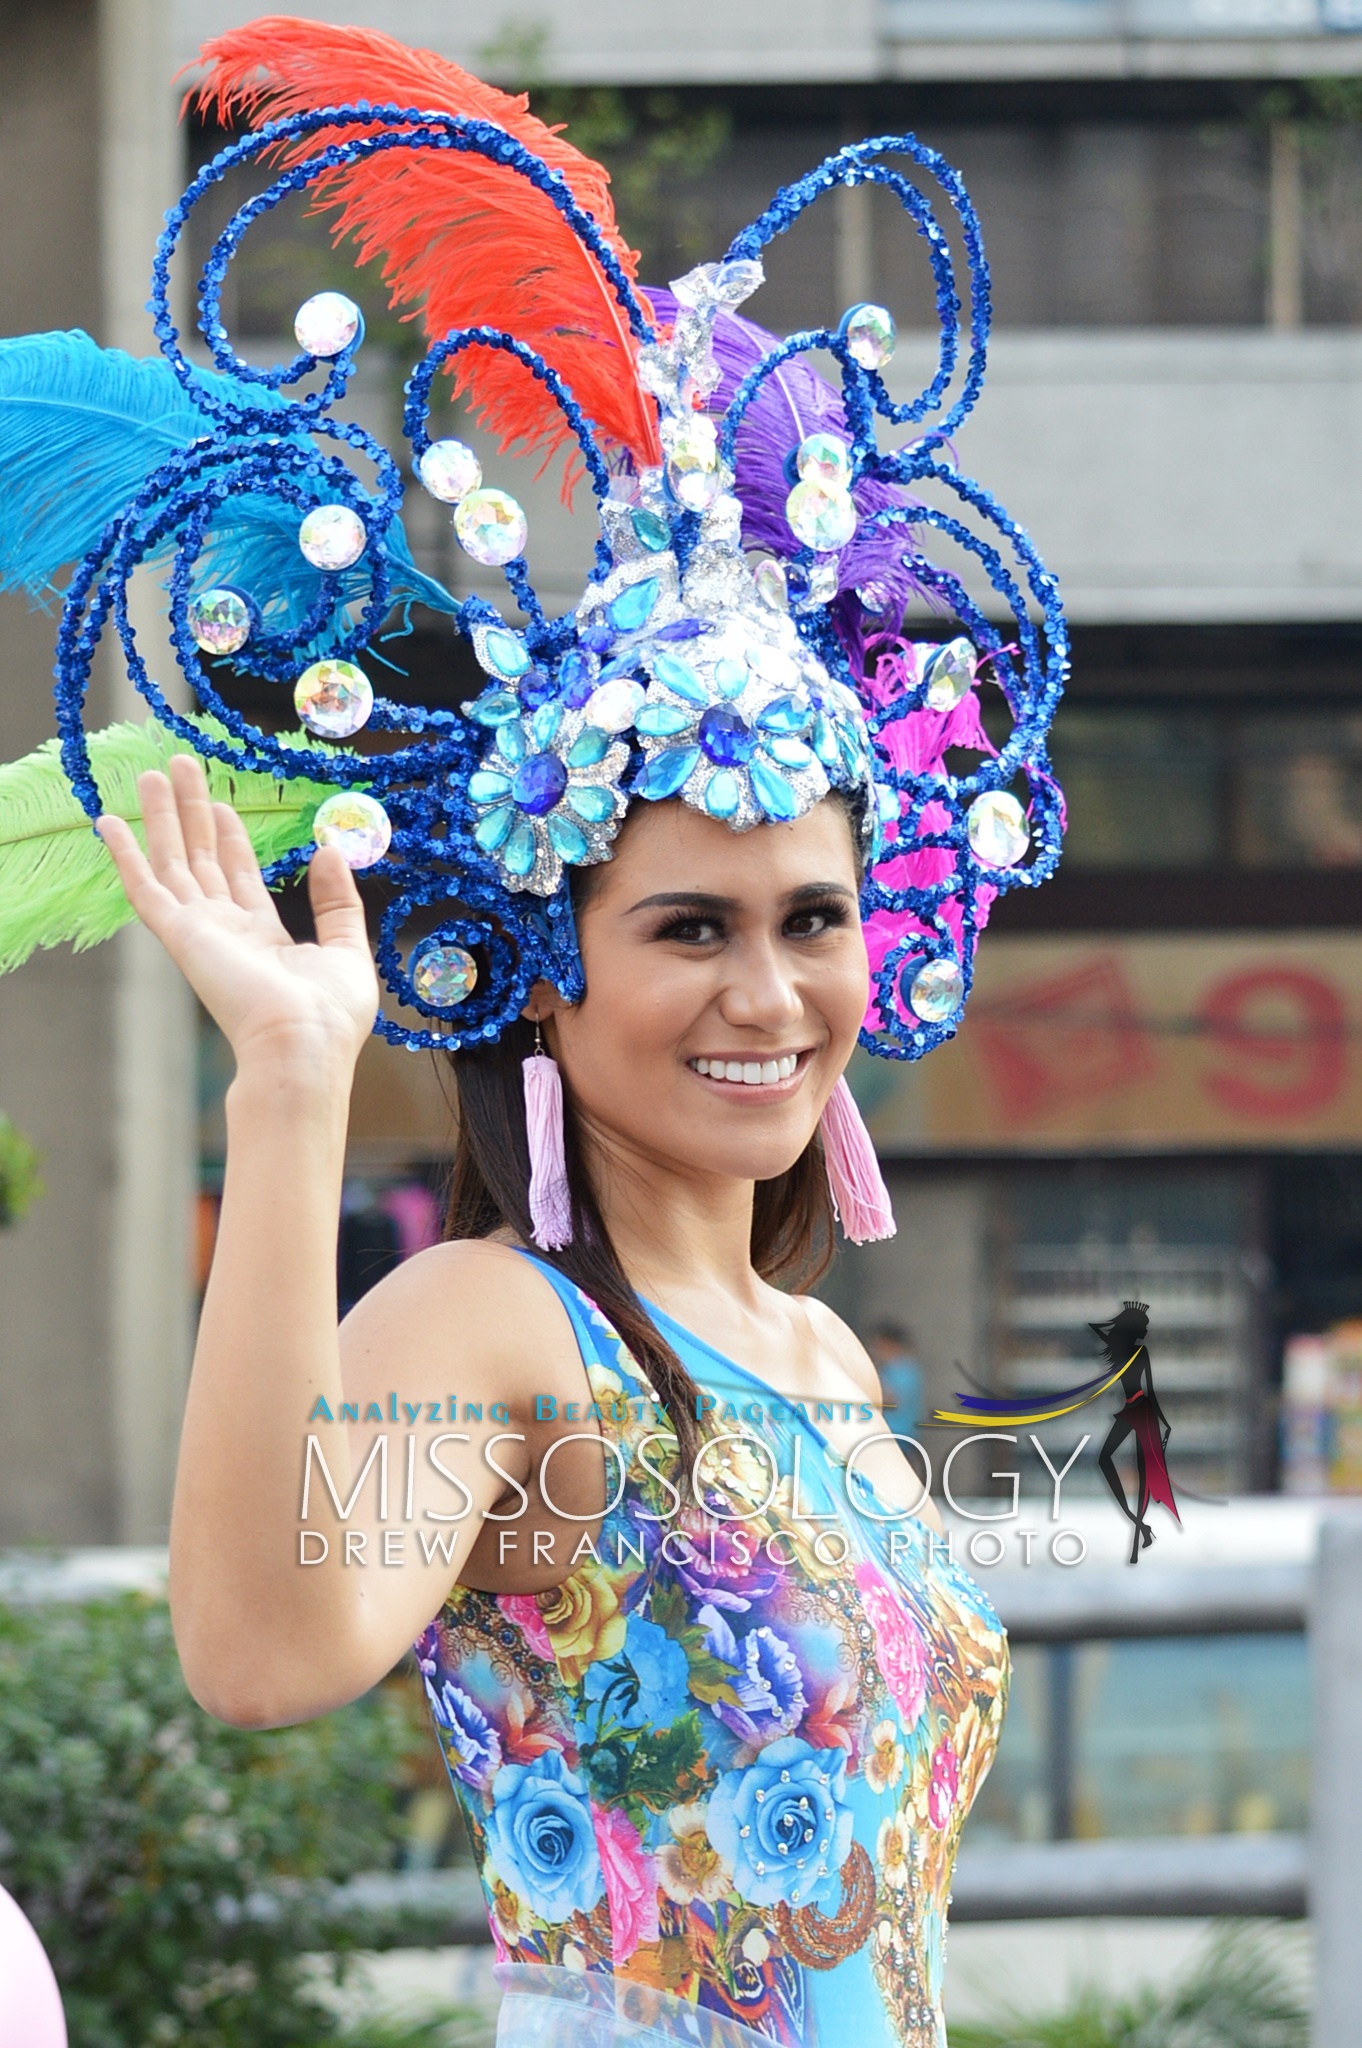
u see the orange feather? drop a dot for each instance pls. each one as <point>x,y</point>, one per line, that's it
<point>463,242</point>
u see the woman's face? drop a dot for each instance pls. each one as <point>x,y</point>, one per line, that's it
<point>726,980</point>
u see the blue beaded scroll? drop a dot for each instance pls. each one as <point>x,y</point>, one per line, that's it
<point>748,689</point>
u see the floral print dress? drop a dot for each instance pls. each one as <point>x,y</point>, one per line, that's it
<point>715,1781</point>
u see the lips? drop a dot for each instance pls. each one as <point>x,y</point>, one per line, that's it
<point>750,1073</point>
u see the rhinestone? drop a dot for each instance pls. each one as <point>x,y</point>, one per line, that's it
<point>512,742</point>
<point>505,653</point>
<point>726,737</point>
<point>650,530</point>
<point>357,824</point>
<point>773,665</point>
<point>491,527</point>
<point>822,519</point>
<point>615,705</point>
<point>869,333</point>
<point>567,840</point>
<point>730,677</point>
<point>491,830</point>
<point>663,776</point>
<point>722,795</point>
<point>539,784</point>
<point>824,459</point>
<point>772,792</point>
<point>661,721</point>
<point>821,587</point>
<point>592,803</point>
<point>494,707</point>
<point>590,746</point>
<point>220,621</point>
<point>790,753</point>
<point>444,976</point>
<point>785,1777</point>
<point>997,828</point>
<point>518,853</point>
<point>937,991</point>
<point>769,577</point>
<point>744,1829</point>
<point>333,699</point>
<point>545,723</point>
<point>633,607</point>
<point>577,678</point>
<point>598,639</point>
<point>332,537</point>
<point>761,1867</point>
<point>950,671</point>
<point>692,466</point>
<point>485,786</point>
<point>784,715</point>
<point>537,687</point>
<point>761,1794</point>
<point>326,323</point>
<point>449,470</point>
<point>680,678</point>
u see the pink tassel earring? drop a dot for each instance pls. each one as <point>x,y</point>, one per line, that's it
<point>550,1198</point>
<point>859,1194</point>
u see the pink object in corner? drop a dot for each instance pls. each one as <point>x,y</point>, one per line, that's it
<point>550,1197</point>
<point>30,2003</point>
<point>859,1194</point>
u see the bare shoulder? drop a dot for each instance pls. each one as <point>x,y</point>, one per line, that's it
<point>844,1344</point>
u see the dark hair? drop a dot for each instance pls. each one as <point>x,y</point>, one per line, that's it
<point>1131,1321</point>
<point>792,1220</point>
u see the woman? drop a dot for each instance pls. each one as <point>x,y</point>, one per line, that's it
<point>713,1700</point>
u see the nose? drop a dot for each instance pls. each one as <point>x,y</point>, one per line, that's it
<point>761,992</point>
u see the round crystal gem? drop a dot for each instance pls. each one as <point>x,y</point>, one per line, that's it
<point>333,699</point>
<point>449,470</point>
<point>869,332</point>
<point>950,671</point>
<point>823,520</point>
<point>220,621</point>
<point>824,459</point>
<point>769,577</point>
<point>357,824</point>
<point>692,466</point>
<point>726,737</point>
<point>332,537</point>
<point>937,991</point>
<point>491,527</point>
<point>614,705</point>
<point>444,976</point>
<point>997,828</point>
<point>326,323</point>
<point>539,784</point>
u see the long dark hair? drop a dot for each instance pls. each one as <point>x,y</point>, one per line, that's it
<point>792,1219</point>
<point>1124,1333</point>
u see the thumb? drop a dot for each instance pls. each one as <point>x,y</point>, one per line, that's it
<point>337,910</point>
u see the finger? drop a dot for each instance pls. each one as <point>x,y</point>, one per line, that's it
<point>165,841</point>
<point>337,911</point>
<point>198,827</point>
<point>239,864</point>
<point>154,904</point>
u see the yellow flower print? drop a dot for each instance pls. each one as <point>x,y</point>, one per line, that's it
<point>584,1622</point>
<point>691,1867</point>
<point>513,1916</point>
<point>894,1851</point>
<point>883,1764</point>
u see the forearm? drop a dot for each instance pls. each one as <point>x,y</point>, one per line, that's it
<point>246,1617</point>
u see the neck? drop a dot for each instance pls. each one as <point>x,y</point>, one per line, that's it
<point>677,1235</point>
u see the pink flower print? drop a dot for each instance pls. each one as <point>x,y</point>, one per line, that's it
<point>523,1610</point>
<point>944,1786</point>
<point>630,1881</point>
<point>898,1643</point>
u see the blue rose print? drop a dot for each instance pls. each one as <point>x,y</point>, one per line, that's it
<point>540,1839</point>
<point>471,1742</point>
<point>644,1686</point>
<point>783,1824</point>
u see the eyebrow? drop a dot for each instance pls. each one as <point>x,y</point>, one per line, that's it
<point>698,899</point>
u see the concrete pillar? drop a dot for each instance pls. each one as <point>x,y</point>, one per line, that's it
<point>1336,1823</point>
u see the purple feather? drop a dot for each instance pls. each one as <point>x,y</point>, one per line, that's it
<point>793,402</point>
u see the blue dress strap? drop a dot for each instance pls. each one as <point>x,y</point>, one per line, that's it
<point>597,1338</point>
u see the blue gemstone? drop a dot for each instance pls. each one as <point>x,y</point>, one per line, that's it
<point>491,830</point>
<point>597,639</point>
<point>539,784</point>
<point>519,851</point>
<point>682,629</point>
<point>486,786</point>
<point>576,678</point>
<point>679,677</point>
<point>726,737</point>
<point>494,707</point>
<point>627,665</point>
<point>790,753</point>
<point>730,677</point>
<point>666,772</point>
<point>784,714</point>
<point>545,723</point>
<point>722,794</point>
<point>772,792</point>
<point>650,530</point>
<point>536,688</point>
<point>511,742</point>
<point>566,840</point>
<point>591,802</point>
<point>633,608</point>
<point>590,746</point>
<point>506,652</point>
<point>661,721</point>
<point>824,741</point>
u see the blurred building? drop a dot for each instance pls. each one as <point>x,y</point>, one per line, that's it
<point>1158,1088</point>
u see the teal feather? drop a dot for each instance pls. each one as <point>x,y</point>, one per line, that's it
<point>57,880</point>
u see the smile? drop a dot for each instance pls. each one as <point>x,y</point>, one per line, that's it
<point>751,1073</point>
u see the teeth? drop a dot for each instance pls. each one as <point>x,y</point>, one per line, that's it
<point>752,1073</point>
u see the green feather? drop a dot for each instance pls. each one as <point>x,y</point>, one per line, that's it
<point>57,880</point>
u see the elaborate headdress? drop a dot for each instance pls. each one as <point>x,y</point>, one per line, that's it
<point>740,642</point>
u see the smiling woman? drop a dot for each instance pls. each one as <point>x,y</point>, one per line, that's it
<point>714,1699</point>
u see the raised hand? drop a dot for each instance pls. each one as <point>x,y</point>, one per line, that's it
<point>198,887</point>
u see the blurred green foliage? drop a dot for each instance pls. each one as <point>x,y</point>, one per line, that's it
<point>19,1182</point>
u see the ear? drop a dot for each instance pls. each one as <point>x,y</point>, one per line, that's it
<point>543,1003</point>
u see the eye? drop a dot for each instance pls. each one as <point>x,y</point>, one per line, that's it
<point>815,919</point>
<point>690,930</point>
